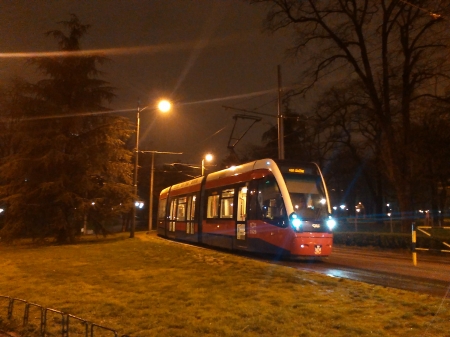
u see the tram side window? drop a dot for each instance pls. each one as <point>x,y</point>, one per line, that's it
<point>213,206</point>
<point>173,204</point>
<point>226,204</point>
<point>162,209</point>
<point>242,204</point>
<point>181,209</point>
<point>172,216</point>
<point>271,206</point>
<point>190,214</point>
<point>191,208</point>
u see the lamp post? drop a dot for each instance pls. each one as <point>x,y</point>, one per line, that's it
<point>163,106</point>
<point>208,157</point>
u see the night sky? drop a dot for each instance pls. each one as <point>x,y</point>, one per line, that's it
<point>202,54</point>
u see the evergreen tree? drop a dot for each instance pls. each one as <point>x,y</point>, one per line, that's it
<point>71,165</point>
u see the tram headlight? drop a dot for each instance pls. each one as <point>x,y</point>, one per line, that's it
<point>296,222</point>
<point>331,223</point>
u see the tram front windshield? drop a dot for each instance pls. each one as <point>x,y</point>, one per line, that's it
<point>307,196</point>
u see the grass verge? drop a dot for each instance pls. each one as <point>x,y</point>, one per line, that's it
<point>149,286</point>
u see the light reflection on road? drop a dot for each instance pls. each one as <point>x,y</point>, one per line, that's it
<point>386,268</point>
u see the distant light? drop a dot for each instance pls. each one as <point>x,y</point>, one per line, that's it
<point>92,203</point>
<point>1,210</point>
<point>335,208</point>
<point>342,207</point>
<point>209,157</point>
<point>139,204</point>
<point>323,201</point>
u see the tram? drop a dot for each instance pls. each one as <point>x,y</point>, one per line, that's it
<point>269,206</point>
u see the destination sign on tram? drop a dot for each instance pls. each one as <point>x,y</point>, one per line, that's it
<point>296,170</point>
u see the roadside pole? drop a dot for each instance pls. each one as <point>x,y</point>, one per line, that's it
<point>413,244</point>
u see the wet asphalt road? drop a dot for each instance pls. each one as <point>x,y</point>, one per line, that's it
<point>390,268</point>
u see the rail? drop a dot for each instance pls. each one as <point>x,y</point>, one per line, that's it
<point>414,247</point>
<point>59,319</point>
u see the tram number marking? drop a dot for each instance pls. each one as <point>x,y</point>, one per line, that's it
<point>252,231</point>
<point>316,225</point>
<point>318,249</point>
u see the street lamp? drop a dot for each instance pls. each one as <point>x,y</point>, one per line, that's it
<point>208,157</point>
<point>163,106</point>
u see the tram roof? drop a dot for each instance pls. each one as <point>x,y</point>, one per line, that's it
<point>189,183</point>
<point>260,164</point>
<point>268,164</point>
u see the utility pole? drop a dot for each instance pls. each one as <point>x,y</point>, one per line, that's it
<point>136,165</point>
<point>280,119</point>
<point>152,170</point>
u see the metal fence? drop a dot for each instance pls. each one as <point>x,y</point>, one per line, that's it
<point>50,322</point>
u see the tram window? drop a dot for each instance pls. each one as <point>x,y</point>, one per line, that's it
<point>181,209</point>
<point>190,208</point>
<point>226,204</point>
<point>190,214</point>
<point>242,202</point>
<point>172,216</point>
<point>252,200</point>
<point>271,206</point>
<point>173,204</point>
<point>162,209</point>
<point>213,206</point>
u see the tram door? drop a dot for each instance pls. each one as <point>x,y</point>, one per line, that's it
<point>241,218</point>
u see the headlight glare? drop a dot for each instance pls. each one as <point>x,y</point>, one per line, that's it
<point>331,223</point>
<point>296,222</point>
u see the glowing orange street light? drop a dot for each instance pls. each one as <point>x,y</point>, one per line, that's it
<point>207,157</point>
<point>163,106</point>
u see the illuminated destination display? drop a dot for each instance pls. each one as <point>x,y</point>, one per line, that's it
<point>296,167</point>
<point>296,170</point>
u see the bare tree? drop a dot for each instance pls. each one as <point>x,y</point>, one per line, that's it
<point>396,50</point>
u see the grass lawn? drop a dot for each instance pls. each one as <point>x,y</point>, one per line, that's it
<point>148,286</point>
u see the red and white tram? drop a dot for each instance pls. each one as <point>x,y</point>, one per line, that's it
<point>269,206</point>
